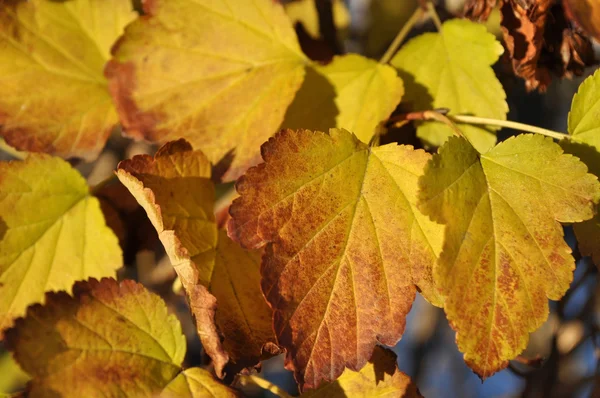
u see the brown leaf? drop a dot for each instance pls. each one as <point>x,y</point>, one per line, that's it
<point>542,43</point>
<point>479,10</point>
<point>344,245</point>
<point>586,14</point>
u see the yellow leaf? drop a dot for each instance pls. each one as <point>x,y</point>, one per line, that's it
<point>175,189</point>
<point>584,129</point>
<point>451,69</point>
<point>196,383</point>
<point>345,245</point>
<point>53,95</point>
<point>584,117</point>
<point>588,238</point>
<point>380,377</point>
<point>53,233</point>
<point>351,92</point>
<point>110,339</point>
<point>217,73</point>
<point>13,378</point>
<point>504,254</point>
<point>305,11</point>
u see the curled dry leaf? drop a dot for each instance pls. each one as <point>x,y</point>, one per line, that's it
<point>109,339</point>
<point>586,14</point>
<point>504,254</point>
<point>48,247</point>
<point>541,38</point>
<point>345,245</point>
<point>479,10</point>
<point>63,44</point>
<point>220,278</point>
<point>218,73</point>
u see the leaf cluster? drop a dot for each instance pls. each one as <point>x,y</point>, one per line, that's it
<point>320,250</point>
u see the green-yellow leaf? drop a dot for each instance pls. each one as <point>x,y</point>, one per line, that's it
<point>588,238</point>
<point>584,128</point>
<point>504,254</point>
<point>345,245</point>
<point>175,189</point>
<point>53,95</point>
<point>13,377</point>
<point>584,117</point>
<point>380,377</point>
<point>218,73</point>
<point>110,339</point>
<point>52,233</point>
<point>351,92</point>
<point>451,69</point>
<point>196,383</point>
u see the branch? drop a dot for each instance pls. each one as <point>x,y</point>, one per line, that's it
<point>414,18</point>
<point>327,25</point>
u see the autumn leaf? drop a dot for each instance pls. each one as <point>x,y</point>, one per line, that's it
<point>53,95</point>
<point>542,42</point>
<point>345,245</point>
<point>504,254</point>
<point>379,377</point>
<point>451,69</point>
<point>175,189</point>
<point>351,92</point>
<point>584,117</point>
<point>196,383</point>
<point>52,233</point>
<point>219,74</point>
<point>586,13</point>
<point>584,130</point>
<point>110,339</point>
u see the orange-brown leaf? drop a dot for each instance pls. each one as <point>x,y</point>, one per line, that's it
<point>345,245</point>
<point>53,95</point>
<point>218,73</point>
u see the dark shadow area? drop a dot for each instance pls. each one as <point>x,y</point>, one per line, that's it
<point>314,106</point>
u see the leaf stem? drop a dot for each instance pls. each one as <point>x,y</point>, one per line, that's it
<point>15,153</point>
<point>509,124</point>
<point>434,15</point>
<point>438,117</point>
<point>414,18</point>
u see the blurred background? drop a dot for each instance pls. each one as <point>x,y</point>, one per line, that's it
<point>562,359</point>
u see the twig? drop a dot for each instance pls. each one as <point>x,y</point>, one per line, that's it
<point>327,25</point>
<point>414,18</point>
<point>436,115</point>
<point>535,362</point>
<point>506,123</point>
<point>434,16</point>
